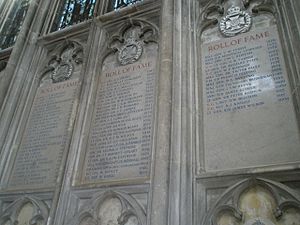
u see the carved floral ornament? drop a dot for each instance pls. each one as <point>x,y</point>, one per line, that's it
<point>255,202</point>
<point>26,210</point>
<point>129,43</point>
<point>63,62</point>
<point>111,208</point>
<point>235,19</point>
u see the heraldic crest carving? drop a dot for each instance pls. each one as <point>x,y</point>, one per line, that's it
<point>235,22</point>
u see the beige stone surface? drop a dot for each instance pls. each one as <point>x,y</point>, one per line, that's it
<point>120,139</point>
<point>45,137</point>
<point>248,113</point>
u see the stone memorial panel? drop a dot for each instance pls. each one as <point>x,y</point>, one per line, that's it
<point>119,145</point>
<point>249,119</point>
<point>46,136</point>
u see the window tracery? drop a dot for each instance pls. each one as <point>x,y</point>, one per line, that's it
<point>72,12</point>
<point>118,4</point>
<point>12,24</point>
<point>122,3</point>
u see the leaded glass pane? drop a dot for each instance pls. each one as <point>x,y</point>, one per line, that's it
<point>72,12</point>
<point>122,3</point>
<point>118,4</point>
<point>12,24</point>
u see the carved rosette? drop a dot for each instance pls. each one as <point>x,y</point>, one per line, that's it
<point>255,202</point>
<point>235,22</point>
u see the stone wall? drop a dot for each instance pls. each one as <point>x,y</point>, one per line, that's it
<point>161,112</point>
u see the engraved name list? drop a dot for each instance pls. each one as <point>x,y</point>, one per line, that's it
<point>120,139</point>
<point>46,136</point>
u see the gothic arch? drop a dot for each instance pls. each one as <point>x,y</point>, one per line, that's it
<point>110,208</point>
<point>12,212</point>
<point>253,194</point>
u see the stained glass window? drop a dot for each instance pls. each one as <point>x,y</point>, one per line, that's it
<point>72,12</point>
<point>118,4</point>
<point>122,3</point>
<point>12,24</point>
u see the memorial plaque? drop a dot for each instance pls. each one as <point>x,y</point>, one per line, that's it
<point>120,139</point>
<point>46,136</point>
<point>249,119</point>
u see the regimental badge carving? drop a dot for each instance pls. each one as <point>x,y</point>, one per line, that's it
<point>130,52</point>
<point>132,49</point>
<point>62,72</point>
<point>130,42</point>
<point>63,62</point>
<point>235,22</point>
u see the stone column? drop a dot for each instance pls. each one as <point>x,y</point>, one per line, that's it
<point>10,103</point>
<point>18,79</point>
<point>161,178</point>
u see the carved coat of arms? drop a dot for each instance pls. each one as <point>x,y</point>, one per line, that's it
<point>130,52</point>
<point>62,72</point>
<point>235,22</point>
